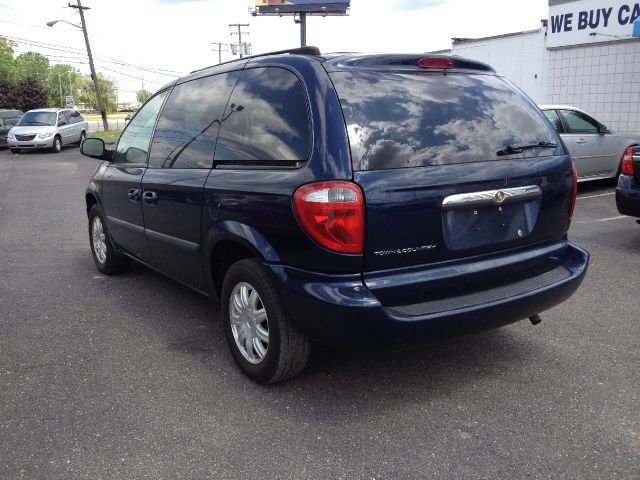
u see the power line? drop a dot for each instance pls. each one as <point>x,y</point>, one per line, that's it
<point>71,60</point>
<point>130,76</point>
<point>33,26</point>
<point>103,58</point>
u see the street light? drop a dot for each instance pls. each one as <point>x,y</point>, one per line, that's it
<point>53,22</point>
<point>94,77</point>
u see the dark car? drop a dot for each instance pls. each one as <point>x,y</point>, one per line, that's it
<point>359,201</point>
<point>8,118</point>
<point>628,189</point>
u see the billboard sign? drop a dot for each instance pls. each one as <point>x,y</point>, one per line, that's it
<point>590,21</point>
<point>312,7</point>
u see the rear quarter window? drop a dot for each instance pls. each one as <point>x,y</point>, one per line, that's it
<point>400,120</point>
<point>266,120</point>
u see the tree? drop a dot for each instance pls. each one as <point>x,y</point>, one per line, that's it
<point>87,93</point>
<point>6,58</point>
<point>143,95</point>
<point>29,94</point>
<point>62,77</point>
<point>32,65</point>
<point>7,96</point>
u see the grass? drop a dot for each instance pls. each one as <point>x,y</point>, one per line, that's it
<point>111,116</point>
<point>109,137</point>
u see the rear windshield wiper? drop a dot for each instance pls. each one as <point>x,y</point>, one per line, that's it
<point>511,149</point>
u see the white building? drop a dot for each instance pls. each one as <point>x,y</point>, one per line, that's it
<point>584,55</point>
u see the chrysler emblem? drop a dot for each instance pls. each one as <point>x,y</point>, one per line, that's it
<point>500,196</point>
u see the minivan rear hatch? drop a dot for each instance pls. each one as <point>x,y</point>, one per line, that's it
<point>454,161</point>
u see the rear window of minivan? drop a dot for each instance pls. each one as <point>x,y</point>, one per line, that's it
<point>400,120</point>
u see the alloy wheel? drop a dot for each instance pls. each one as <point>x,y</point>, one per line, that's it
<point>99,240</point>
<point>249,322</point>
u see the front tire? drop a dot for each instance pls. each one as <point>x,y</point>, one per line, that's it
<point>57,145</point>
<point>105,256</point>
<point>265,344</point>
<point>15,150</point>
<point>83,135</point>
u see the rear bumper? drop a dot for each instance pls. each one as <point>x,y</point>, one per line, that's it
<point>340,311</point>
<point>628,196</point>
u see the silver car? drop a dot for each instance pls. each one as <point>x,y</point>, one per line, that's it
<point>49,128</point>
<point>596,151</point>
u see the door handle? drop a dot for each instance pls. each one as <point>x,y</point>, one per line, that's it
<point>134,195</point>
<point>581,141</point>
<point>150,198</point>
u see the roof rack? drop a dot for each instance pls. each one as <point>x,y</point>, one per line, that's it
<point>315,51</point>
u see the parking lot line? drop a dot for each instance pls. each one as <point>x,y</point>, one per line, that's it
<point>609,219</point>
<point>598,195</point>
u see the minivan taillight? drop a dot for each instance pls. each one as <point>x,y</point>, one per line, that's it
<point>627,162</point>
<point>332,214</point>
<point>575,189</point>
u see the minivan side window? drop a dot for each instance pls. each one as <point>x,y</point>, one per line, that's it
<point>188,126</point>
<point>266,120</point>
<point>579,122</point>
<point>134,141</point>
<point>73,116</point>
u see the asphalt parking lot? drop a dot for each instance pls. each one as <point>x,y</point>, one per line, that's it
<point>129,377</point>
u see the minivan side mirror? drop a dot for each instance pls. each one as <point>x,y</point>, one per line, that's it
<point>62,122</point>
<point>94,148</point>
<point>603,129</point>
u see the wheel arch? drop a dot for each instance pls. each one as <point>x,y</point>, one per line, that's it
<point>91,199</point>
<point>224,247</point>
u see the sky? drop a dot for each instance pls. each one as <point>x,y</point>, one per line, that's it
<point>160,39</point>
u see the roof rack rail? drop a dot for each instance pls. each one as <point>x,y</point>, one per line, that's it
<point>315,51</point>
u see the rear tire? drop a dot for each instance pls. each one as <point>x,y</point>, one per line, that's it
<point>105,256</point>
<point>265,344</point>
<point>57,144</point>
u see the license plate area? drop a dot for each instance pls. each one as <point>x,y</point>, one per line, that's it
<point>490,218</point>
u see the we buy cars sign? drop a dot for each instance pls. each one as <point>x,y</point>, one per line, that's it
<point>574,23</point>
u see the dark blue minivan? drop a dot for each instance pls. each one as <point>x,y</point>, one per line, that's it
<point>359,201</point>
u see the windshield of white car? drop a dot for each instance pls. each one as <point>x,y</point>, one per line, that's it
<point>38,119</point>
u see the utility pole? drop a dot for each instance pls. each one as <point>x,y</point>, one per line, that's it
<point>62,104</point>
<point>94,77</point>
<point>239,33</point>
<point>70,87</point>
<point>220,50</point>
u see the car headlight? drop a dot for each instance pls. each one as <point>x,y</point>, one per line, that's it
<point>11,136</point>
<point>44,135</point>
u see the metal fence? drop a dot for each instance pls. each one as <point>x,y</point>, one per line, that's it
<point>96,125</point>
